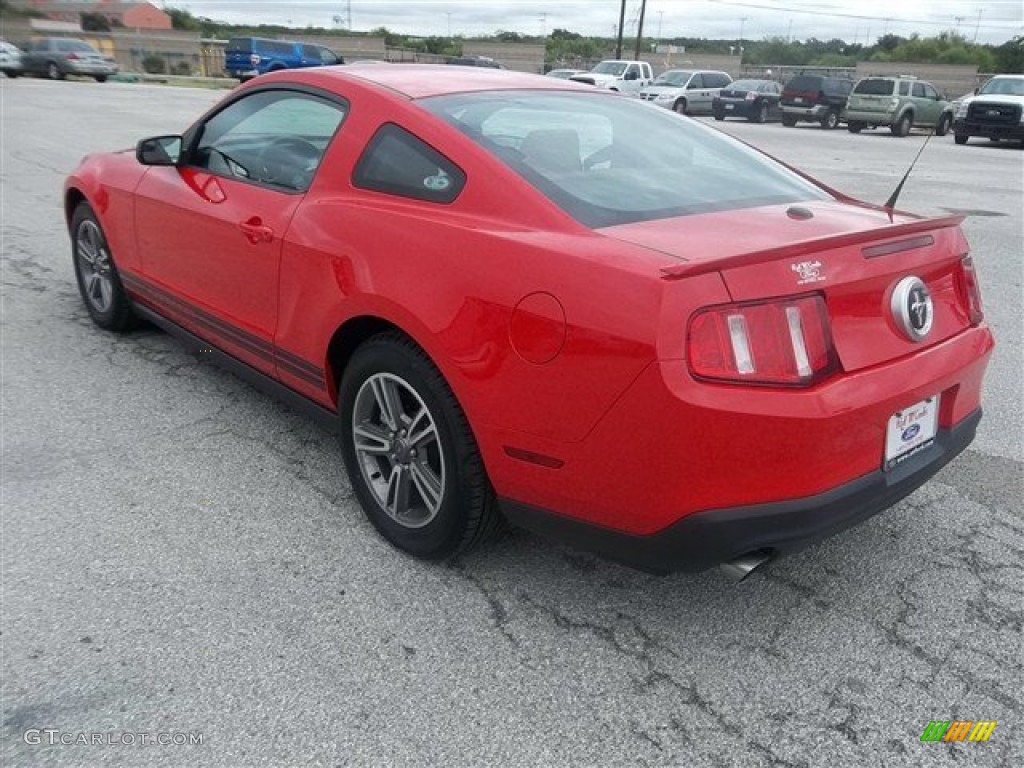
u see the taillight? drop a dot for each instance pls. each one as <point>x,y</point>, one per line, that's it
<point>72,56</point>
<point>969,290</point>
<point>782,342</point>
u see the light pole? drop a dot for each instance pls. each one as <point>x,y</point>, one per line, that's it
<point>449,15</point>
<point>743,20</point>
<point>618,34</point>
<point>661,18</point>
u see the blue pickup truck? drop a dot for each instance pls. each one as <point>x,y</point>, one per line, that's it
<point>246,57</point>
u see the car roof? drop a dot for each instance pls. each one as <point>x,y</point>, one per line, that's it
<point>417,81</point>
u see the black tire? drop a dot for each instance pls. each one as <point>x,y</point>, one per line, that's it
<point>719,116</point>
<point>12,73</point>
<point>467,514</point>
<point>761,116</point>
<point>960,138</point>
<point>679,107</point>
<point>902,126</point>
<point>788,121</point>
<point>112,312</point>
<point>101,78</point>
<point>855,127</point>
<point>54,72</point>
<point>944,124</point>
<point>830,121</point>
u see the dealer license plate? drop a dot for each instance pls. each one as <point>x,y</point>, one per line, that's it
<point>910,431</point>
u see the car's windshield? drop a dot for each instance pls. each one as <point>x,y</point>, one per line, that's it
<point>673,77</point>
<point>607,160</point>
<point>1004,86</point>
<point>609,68</point>
<point>874,87</point>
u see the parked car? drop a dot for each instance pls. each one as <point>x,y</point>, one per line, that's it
<point>764,362</point>
<point>565,74</point>
<point>58,57</point>
<point>623,76</point>
<point>475,61</point>
<point>10,59</point>
<point>756,100</point>
<point>247,57</point>
<point>996,112</point>
<point>816,99</point>
<point>899,104</point>
<point>686,91</point>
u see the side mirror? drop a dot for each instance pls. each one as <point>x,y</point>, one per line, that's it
<point>159,150</point>
<point>976,91</point>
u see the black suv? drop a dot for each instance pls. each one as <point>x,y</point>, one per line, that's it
<point>816,99</point>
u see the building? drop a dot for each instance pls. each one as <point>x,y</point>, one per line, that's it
<point>129,15</point>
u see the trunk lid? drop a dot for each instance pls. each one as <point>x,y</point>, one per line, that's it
<point>854,256</point>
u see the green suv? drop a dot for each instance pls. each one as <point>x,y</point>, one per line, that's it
<point>901,103</point>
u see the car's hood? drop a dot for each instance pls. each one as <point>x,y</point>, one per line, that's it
<point>593,78</point>
<point>727,234</point>
<point>995,98</point>
<point>666,90</point>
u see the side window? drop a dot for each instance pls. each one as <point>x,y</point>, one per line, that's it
<point>397,163</point>
<point>311,52</point>
<point>632,72</point>
<point>648,74</point>
<point>904,88</point>
<point>275,138</point>
<point>328,56</point>
<point>719,80</point>
<point>696,81</point>
<point>918,91</point>
<point>930,92</point>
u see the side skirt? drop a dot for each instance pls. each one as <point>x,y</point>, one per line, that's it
<point>325,418</point>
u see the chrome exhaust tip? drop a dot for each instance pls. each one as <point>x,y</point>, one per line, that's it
<point>744,565</point>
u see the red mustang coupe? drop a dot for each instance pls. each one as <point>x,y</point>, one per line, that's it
<point>522,298</point>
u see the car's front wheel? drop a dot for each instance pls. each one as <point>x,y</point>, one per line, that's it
<point>960,138</point>
<point>761,116</point>
<point>410,453</point>
<point>788,121</point>
<point>943,127</point>
<point>830,120</point>
<point>101,78</point>
<point>680,106</point>
<point>96,273</point>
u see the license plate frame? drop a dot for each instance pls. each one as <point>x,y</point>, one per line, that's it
<point>910,431</point>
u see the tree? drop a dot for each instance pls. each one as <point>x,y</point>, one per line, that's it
<point>94,22</point>
<point>182,19</point>
<point>1009,57</point>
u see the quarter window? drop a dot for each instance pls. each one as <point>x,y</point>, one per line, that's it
<point>275,138</point>
<point>397,163</point>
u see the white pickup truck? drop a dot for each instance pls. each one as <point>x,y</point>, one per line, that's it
<point>618,75</point>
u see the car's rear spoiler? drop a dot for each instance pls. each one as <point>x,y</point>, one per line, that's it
<point>804,247</point>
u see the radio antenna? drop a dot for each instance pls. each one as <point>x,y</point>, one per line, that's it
<point>890,204</point>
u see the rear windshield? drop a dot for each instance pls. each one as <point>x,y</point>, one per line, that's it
<point>240,45</point>
<point>76,46</point>
<point>876,87</point>
<point>745,85</point>
<point>607,160</point>
<point>805,83</point>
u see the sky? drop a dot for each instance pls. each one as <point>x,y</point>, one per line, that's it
<point>992,21</point>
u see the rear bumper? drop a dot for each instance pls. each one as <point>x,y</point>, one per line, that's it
<point>972,128</point>
<point>815,112</point>
<point>705,539</point>
<point>872,118</point>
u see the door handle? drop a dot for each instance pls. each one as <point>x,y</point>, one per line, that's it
<point>256,231</point>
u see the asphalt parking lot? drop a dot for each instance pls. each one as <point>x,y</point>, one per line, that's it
<point>182,555</point>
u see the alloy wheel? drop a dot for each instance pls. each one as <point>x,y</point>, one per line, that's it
<point>94,266</point>
<point>398,450</point>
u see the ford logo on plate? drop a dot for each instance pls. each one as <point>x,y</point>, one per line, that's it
<point>910,432</point>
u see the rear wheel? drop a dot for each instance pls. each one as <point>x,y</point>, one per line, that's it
<point>944,123</point>
<point>53,71</point>
<point>101,78</point>
<point>761,116</point>
<point>902,126</point>
<point>680,106</point>
<point>410,453</point>
<point>960,138</point>
<point>98,280</point>
<point>788,121</point>
<point>830,120</point>
<point>855,127</point>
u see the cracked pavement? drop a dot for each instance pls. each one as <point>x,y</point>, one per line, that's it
<point>182,554</point>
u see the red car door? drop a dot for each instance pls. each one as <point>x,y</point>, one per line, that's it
<point>210,230</point>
